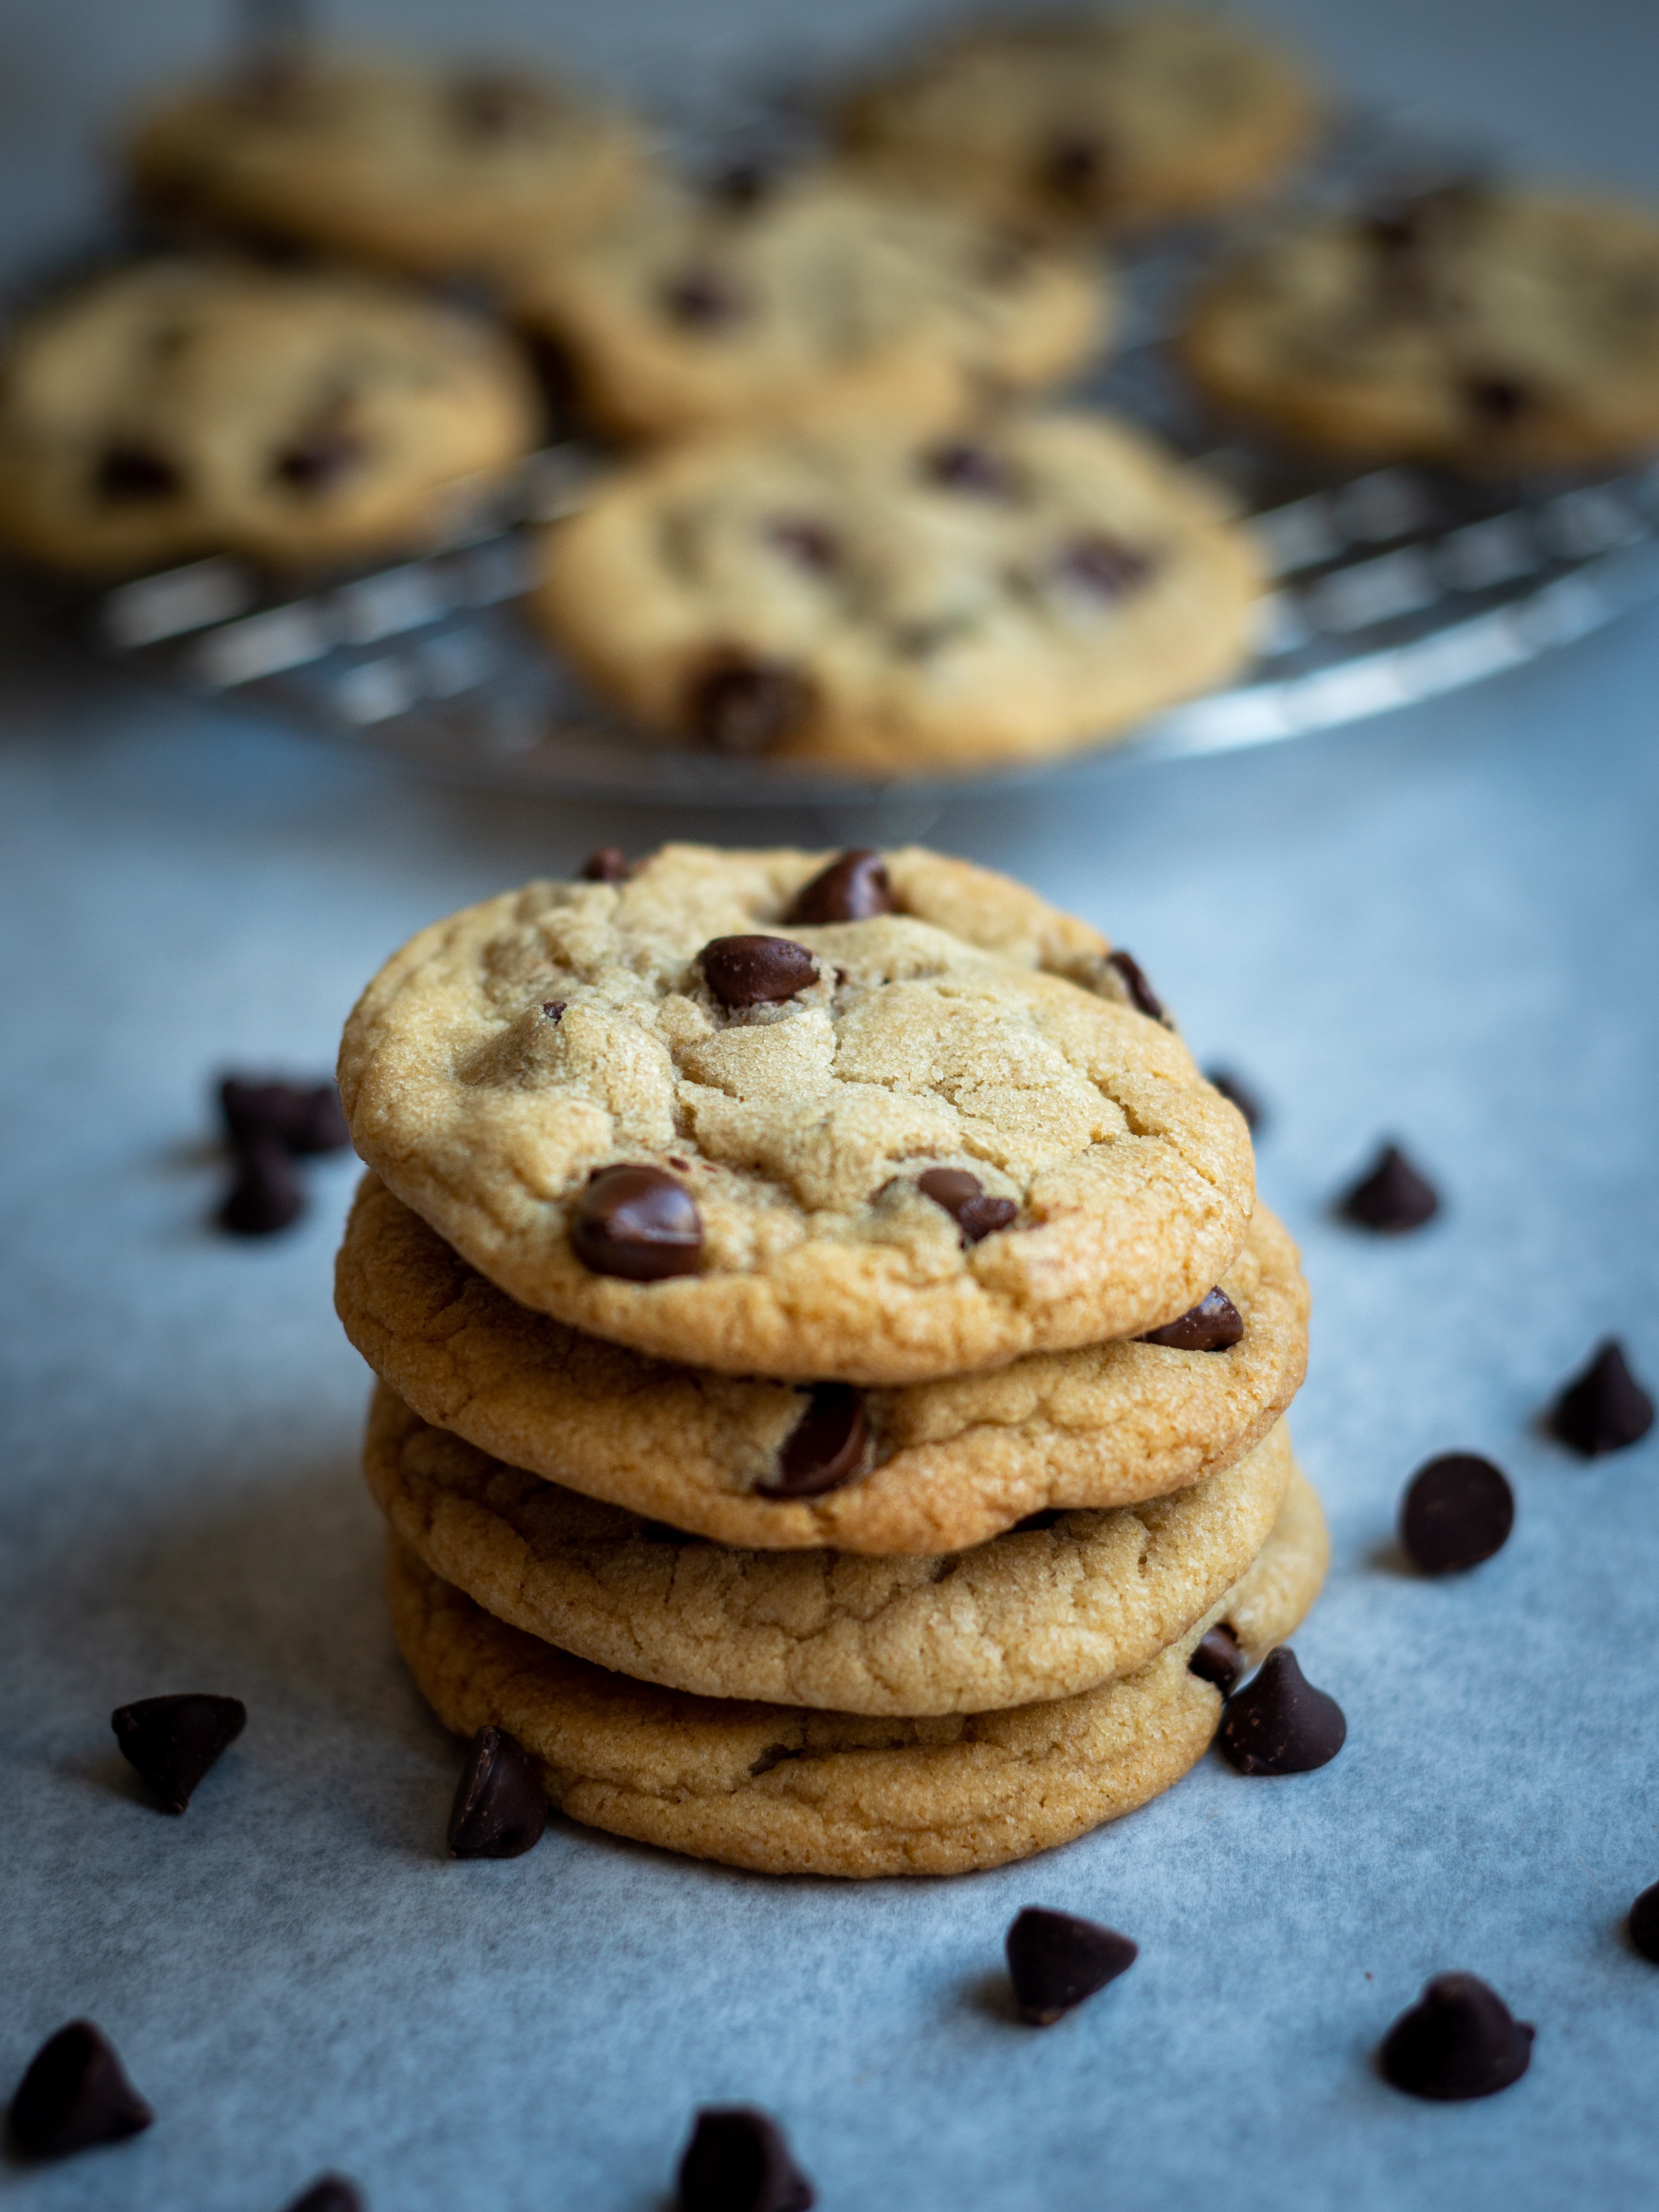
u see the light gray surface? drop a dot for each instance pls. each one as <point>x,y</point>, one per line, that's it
<point>1445,925</point>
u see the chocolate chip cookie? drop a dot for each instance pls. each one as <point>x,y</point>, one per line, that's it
<point>875,599</point>
<point>176,408</point>
<point>677,1112</point>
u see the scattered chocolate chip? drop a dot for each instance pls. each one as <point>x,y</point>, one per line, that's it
<point>1237,1093</point>
<point>267,1194</point>
<point>738,2160</point>
<point>702,299</point>
<point>1391,1196</point>
<point>330,2192</point>
<point>500,1810</point>
<point>856,887</point>
<point>963,1198</point>
<point>75,2095</point>
<point>824,1448</point>
<point>637,1222</point>
<point>1049,1516</point>
<point>304,1118</point>
<point>1075,168</point>
<point>1496,401</point>
<point>553,1009</point>
<point>172,1741</point>
<point>1644,1923</point>
<point>808,543</point>
<point>1278,1723</point>
<point>756,971</point>
<point>490,106</point>
<point>1459,2040</point>
<point>1209,1326</point>
<point>1055,1960</point>
<point>1457,1511</point>
<point>605,863</point>
<point>1605,1407</point>
<point>134,473</point>
<point>743,705</point>
<point>1218,1657</point>
<point>963,467</point>
<point>1101,565</point>
<point>1142,997</point>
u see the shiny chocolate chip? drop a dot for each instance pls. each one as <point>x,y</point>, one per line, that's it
<point>756,971</point>
<point>1644,1924</point>
<point>962,465</point>
<point>267,1194</point>
<point>75,2095</point>
<point>1075,168</point>
<point>1495,402</point>
<point>172,1741</point>
<point>1209,1326</point>
<point>636,1223</point>
<point>1142,997</point>
<point>605,863</point>
<point>703,298</point>
<point>963,1198</point>
<point>1055,1960</point>
<point>1457,1511</point>
<point>1278,1723</point>
<point>743,705</point>
<point>1104,567</point>
<point>131,474</point>
<point>1392,1197</point>
<point>824,1449</point>
<point>809,544</point>
<point>318,462</point>
<point>855,887</point>
<point>500,1810</point>
<point>1459,2040</point>
<point>330,2192</point>
<point>1217,1657</point>
<point>1604,1409</point>
<point>739,2160</point>
<point>304,1118</point>
<point>1237,1093</point>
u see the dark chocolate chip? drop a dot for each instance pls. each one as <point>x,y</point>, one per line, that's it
<point>303,1118</point>
<point>960,465</point>
<point>1644,1923</point>
<point>1391,1196</point>
<point>1209,1326</point>
<point>267,1194</point>
<point>637,1222</point>
<point>740,186</point>
<point>756,971</point>
<point>75,2095</point>
<point>553,1010</point>
<point>134,473</point>
<point>1457,1511</point>
<point>1142,997</point>
<point>490,106</point>
<point>605,863</point>
<point>318,462</point>
<point>1496,401</point>
<point>738,2160</point>
<point>703,298</point>
<point>743,705</point>
<point>500,1810</point>
<point>1237,1093</point>
<point>1217,1657</point>
<point>330,2192</point>
<point>1605,1407</point>
<point>1075,168</point>
<point>808,543</point>
<point>856,887</point>
<point>1459,2040</point>
<point>1049,1516</point>
<point>824,1449</point>
<point>1055,1960</point>
<point>1278,1723</point>
<point>1101,565</point>
<point>172,1741</point>
<point>963,1198</point>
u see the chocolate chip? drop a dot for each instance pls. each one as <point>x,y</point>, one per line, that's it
<point>172,1741</point>
<point>1391,1196</point>
<point>1603,1408</point>
<point>134,473</point>
<point>1644,1923</point>
<point>856,887</point>
<point>963,1198</point>
<point>304,1118</point>
<point>1399,223</point>
<point>1496,401</point>
<point>756,971</point>
<point>1075,168</point>
<point>808,543</point>
<point>1217,1657</point>
<point>500,1810</point>
<point>75,2095</point>
<point>1101,565</point>
<point>1237,1093</point>
<point>1459,2040</point>
<point>1278,1723</point>
<point>1457,1511</point>
<point>962,466</point>
<point>1049,1516</point>
<point>489,105</point>
<point>1142,997</point>
<point>318,462</point>
<point>267,1194</point>
<point>703,300</point>
<point>824,1449</point>
<point>740,186</point>
<point>637,1222</point>
<point>743,705</point>
<point>1209,1326</point>
<point>553,1010</point>
<point>738,2160</point>
<point>605,863</point>
<point>1055,1960</point>
<point>330,2192</point>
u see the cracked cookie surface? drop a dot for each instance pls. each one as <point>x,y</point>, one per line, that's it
<point>505,1068</point>
<point>784,1790</point>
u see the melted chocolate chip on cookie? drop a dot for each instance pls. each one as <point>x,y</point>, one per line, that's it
<point>133,474</point>
<point>1142,997</point>
<point>742,704</point>
<point>1496,402</point>
<point>703,300</point>
<point>319,459</point>
<point>1391,1197</point>
<point>606,863</point>
<point>960,464</point>
<point>964,1199</point>
<point>1217,1657</point>
<point>1104,567</point>
<point>1459,2040</point>
<point>1458,1510</point>
<point>756,971</point>
<point>500,1810</point>
<point>854,888</point>
<point>1056,1960</point>
<point>1604,1409</point>
<point>808,543</point>
<point>1279,1723</point>
<point>172,1741</point>
<point>75,2095</point>
<point>636,1223</point>
<point>824,1449</point>
<point>740,2161</point>
<point>1211,1325</point>
<point>1076,169</point>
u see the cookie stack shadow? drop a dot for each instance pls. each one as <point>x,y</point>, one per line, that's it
<point>833,1626</point>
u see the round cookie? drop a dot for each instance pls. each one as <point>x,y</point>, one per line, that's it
<point>174,408</point>
<point>944,1465</point>
<point>1485,329</point>
<point>862,596</point>
<point>867,1150</point>
<point>1038,1614</point>
<point>787,1792</point>
<point>1094,120</point>
<point>684,315</point>
<point>429,169</point>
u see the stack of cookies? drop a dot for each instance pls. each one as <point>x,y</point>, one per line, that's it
<point>831,1361</point>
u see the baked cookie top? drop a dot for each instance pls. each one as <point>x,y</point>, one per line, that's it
<point>710,1112</point>
<point>924,1468</point>
<point>179,407</point>
<point>882,600</point>
<point>1095,119</point>
<point>427,167</point>
<point>684,314</point>
<point>1486,328</point>
<point>1039,1613</point>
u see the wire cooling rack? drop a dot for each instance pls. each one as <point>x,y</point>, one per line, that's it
<point>1392,586</point>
